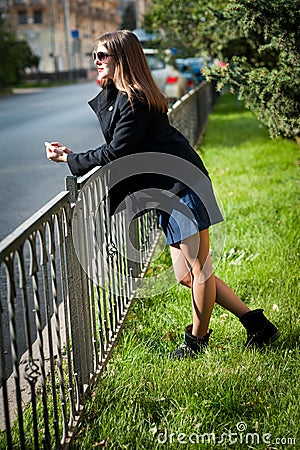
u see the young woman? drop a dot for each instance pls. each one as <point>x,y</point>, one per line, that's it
<point>133,115</point>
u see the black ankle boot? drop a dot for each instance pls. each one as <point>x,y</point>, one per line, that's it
<point>260,330</point>
<point>192,345</point>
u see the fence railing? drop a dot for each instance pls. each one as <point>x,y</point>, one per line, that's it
<point>68,276</point>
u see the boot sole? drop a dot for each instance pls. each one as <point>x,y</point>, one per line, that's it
<point>268,341</point>
<point>274,337</point>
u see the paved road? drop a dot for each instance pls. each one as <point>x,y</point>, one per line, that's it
<point>27,179</point>
<point>27,119</point>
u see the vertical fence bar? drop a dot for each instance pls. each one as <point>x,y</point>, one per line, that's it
<point>133,251</point>
<point>73,277</point>
<point>62,233</point>
<point>107,241</point>
<point>30,366</point>
<point>39,329</point>
<point>98,237</point>
<point>104,267</point>
<point>44,260</point>
<point>14,346</point>
<point>84,239</point>
<point>4,383</point>
<point>53,271</point>
<point>113,256</point>
<point>93,274</point>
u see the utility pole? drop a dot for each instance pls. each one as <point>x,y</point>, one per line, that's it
<point>68,35</point>
<point>52,35</point>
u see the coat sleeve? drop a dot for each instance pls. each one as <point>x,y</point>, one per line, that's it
<point>128,134</point>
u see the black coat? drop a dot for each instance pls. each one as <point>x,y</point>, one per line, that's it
<point>133,133</point>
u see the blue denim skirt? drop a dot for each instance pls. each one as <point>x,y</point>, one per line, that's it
<point>186,216</point>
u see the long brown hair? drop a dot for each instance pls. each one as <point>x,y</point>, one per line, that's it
<point>132,72</point>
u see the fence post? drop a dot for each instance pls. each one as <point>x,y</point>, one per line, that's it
<point>76,302</point>
<point>71,186</point>
<point>133,252</point>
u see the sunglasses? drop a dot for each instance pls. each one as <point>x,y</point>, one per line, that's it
<point>101,56</point>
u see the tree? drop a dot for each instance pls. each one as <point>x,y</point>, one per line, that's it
<point>189,26</point>
<point>15,56</point>
<point>129,17</point>
<point>259,41</point>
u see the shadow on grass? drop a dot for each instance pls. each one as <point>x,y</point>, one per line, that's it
<point>235,124</point>
<point>290,341</point>
<point>236,130</point>
<point>229,104</point>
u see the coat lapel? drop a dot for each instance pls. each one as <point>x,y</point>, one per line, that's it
<point>105,106</point>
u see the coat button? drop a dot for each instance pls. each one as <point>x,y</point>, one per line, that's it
<point>110,108</point>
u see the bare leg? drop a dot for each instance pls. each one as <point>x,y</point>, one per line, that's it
<point>260,331</point>
<point>225,296</point>
<point>195,251</point>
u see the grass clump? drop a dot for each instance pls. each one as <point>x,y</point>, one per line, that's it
<point>229,397</point>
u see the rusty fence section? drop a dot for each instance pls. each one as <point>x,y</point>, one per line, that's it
<point>68,276</point>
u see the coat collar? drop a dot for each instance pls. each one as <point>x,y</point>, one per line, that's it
<point>106,97</point>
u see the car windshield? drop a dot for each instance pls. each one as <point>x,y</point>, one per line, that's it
<point>155,62</point>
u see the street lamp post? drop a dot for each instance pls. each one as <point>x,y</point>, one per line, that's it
<point>52,36</point>
<point>67,35</point>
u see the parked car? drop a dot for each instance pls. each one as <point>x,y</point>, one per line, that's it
<point>197,64</point>
<point>187,72</point>
<point>169,79</point>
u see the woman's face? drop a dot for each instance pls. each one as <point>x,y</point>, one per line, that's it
<point>106,67</point>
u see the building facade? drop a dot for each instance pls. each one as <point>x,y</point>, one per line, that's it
<point>61,32</point>
<point>142,8</point>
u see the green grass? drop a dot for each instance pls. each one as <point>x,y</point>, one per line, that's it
<point>144,401</point>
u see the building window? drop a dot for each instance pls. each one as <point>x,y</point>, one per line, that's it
<point>37,16</point>
<point>22,18</point>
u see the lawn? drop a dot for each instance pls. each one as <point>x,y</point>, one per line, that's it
<point>229,397</point>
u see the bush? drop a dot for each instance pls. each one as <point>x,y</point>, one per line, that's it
<point>258,40</point>
<point>15,56</point>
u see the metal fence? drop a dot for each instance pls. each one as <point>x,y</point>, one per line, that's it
<point>68,277</point>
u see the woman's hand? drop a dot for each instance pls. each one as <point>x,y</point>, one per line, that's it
<point>57,152</point>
